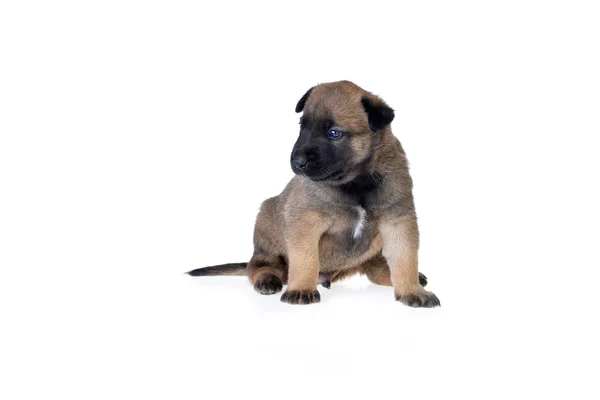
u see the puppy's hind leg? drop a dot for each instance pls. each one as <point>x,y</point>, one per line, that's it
<point>267,273</point>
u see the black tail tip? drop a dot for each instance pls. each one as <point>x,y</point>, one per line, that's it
<point>195,272</point>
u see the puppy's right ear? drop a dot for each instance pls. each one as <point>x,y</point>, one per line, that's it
<point>302,101</point>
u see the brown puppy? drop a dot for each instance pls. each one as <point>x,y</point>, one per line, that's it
<point>348,210</point>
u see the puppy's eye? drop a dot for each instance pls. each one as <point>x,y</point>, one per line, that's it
<point>334,134</point>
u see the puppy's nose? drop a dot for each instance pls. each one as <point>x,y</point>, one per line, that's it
<point>300,161</point>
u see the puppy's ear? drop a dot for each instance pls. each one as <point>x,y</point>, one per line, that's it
<point>379,115</point>
<point>302,101</point>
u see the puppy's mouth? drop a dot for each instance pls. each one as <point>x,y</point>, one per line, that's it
<point>334,176</point>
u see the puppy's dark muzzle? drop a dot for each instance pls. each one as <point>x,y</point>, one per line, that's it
<point>300,161</point>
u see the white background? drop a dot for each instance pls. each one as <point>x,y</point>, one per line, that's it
<point>138,140</point>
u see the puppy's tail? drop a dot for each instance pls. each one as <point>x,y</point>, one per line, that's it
<point>235,269</point>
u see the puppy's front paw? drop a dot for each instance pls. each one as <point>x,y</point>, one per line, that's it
<point>268,284</point>
<point>419,298</point>
<point>300,297</point>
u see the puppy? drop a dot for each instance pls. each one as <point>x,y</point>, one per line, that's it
<point>349,208</point>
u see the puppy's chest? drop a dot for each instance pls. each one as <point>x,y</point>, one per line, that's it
<point>353,229</point>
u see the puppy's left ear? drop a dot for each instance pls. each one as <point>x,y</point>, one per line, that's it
<point>302,101</point>
<point>379,115</point>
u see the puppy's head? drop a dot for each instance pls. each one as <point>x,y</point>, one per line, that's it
<point>340,123</point>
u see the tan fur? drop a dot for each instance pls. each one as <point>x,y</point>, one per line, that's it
<point>302,244</point>
<point>401,245</point>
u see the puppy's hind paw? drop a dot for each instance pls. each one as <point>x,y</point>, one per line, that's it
<point>268,284</point>
<point>325,280</point>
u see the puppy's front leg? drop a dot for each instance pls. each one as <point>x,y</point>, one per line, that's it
<point>400,239</point>
<point>302,240</point>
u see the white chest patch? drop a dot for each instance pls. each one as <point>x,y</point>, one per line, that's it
<point>360,223</point>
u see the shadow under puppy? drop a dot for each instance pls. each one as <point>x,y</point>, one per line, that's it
<point>348,210</point>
